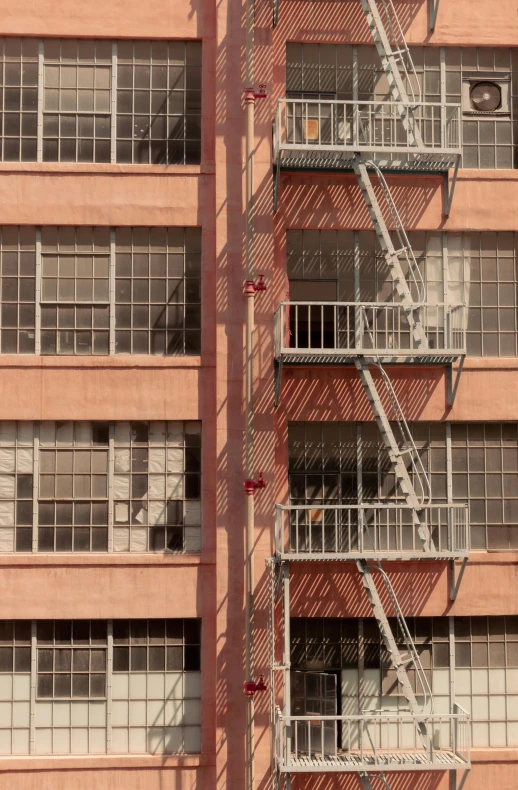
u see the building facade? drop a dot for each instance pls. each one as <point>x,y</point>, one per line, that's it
<point>384,379</point>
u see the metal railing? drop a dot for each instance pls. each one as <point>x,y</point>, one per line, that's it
<point>351,328</point>
<point>369,530</point>
<point>384,740</point>
<point>372,126</point>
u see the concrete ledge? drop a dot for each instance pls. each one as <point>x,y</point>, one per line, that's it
<point>108,762</point>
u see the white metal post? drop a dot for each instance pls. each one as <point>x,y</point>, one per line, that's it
<point>37,295</point>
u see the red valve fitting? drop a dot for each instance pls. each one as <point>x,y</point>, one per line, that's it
<point>252,288</point>
<point>251,95</point>
<point>251,486</point>
<point>250,689</point>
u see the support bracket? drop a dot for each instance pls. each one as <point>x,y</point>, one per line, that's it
<point>449,187</point>
<point>277,381</point>
<point>433,7</point>
<point>454,785</point>
<point>455,582</point>
<point>275,12</point>
<point>276,180</point>
<point>452,387</point>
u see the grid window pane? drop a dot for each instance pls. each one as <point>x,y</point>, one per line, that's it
<point>155,109</point>
<point>155,307</point>
<point>17,282</point>
<point>158,291</point>
<point>75,311</point>
<point>156,684</point>
<point>157,487</point>
<point>484,473</point>
<point>73,488</point>
<point>159,102</point>
<point>146,496</point>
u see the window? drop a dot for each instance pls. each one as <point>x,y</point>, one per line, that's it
<point>97,487</point>
<point>479,654</point>
<point>355,73</point>
<point>15,686</point>
<point>485,473</point>
<point>352,650</point>
<point>76,101</point>
<point>73,487</point>
<point>156,686</point>
<point>324,468</point>
<point>57,294</point>
<point>92,687</point>
<point>101,101</point>
<point>75,291</point>
<point>18,290</point>
<point>324,462</point>
<point>480,271</point>
<point>486,677</point>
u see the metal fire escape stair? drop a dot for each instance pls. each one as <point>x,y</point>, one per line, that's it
<point>395,57</point>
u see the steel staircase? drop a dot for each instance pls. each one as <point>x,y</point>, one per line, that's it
<point>398,68</point>
<point>396,60</point>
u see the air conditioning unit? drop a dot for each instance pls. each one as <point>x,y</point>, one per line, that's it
<point>486,94</point>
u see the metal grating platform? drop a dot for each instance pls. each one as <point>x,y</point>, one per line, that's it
<point>384,761</point>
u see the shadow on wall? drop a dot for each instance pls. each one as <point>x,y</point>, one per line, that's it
<point>338,394</point>
<point>339,592</point>
<point>332,21</point>
<point>323,200</point>
<point>402,781</point>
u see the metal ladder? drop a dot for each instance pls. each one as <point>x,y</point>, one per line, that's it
<point>395,259</point>
<point>395,58</point>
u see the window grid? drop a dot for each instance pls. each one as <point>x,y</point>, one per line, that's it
<point>18,283</point>
<point>75,299</point>
<point>44,712</point>
<point>97,487</point>
<point>100,101</point>
<point>15,685</point>
<point>486,677</point>
<point>157,486</point>
<point>479,268</point>
<point>19,80</point>
<point>76,101</point>
<point>157,291</point>
<point>16,486</point>
<point>488,142</point>
<point>158,102</point>
<point>323,469</point>
<point>151,661</point>
<point>485,474</point>
<point>484,667</point>
<point>86,290</point>
<point>73,487</point>
<point>71,659</point>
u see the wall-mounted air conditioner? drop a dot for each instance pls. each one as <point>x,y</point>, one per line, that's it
<point>486,94</point>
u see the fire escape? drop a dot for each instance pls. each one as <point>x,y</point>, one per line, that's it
<point>369,139</point>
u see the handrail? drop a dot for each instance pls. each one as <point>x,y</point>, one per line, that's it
<point>398,38</point>
<point>407,439</point>
<point>407,636</point>
<point>317,530</point>
<point>366,328</point>
<point>354,125</point>
<point>404,244</point>
<point>371,739</point>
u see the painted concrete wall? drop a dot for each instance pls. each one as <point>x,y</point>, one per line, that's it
<point>210,388</point>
